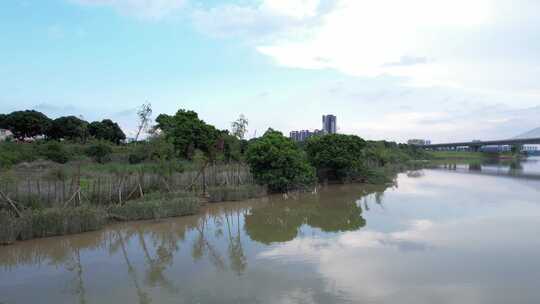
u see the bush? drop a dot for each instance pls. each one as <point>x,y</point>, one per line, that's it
<point>140,152</point>
<point>228,194</point>
<point>55,152</point>
<point>277,162</point>
<point>156,208</point>
<point>337,157</point>
<point>12,153</point>
<point>100,151</point>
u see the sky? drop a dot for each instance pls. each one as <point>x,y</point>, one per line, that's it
<point>388,69</point>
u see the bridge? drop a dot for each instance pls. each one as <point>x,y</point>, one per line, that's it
<point>477,144</point>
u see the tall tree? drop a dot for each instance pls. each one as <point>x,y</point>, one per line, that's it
<point>68,127</point>
<point>337,156</point>
<point>106,130</point>
<point>188,133</point>
<point>276,161</point>
<point>144,114</point>
<point>239,127</point>
<point>27,123</point>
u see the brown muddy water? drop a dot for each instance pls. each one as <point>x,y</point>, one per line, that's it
<point>453,234</point>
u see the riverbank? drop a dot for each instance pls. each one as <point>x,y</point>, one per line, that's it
<point>468,156</point>
<point>57,221</point>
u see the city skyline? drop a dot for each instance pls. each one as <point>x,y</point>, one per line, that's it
<point>329,126</point>
<point>440,70</point>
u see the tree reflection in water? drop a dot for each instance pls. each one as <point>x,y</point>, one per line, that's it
<point>237,257</point>
<point>217,234</point>
<point>132,273</point>
<point>231,216</point>
<point>202,246</point>
<point>74,265</point>
<point>329,211</point>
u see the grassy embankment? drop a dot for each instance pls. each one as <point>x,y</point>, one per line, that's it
<point>42,199</point>
<point>467,156</point>
<point>46,198</point>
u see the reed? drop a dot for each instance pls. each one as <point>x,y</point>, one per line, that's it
<point>155,208</point>
<point>114,185</point>
<point>238,193</point>
<point>50,222</point>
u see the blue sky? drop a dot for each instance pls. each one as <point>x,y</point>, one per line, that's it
<point>444,70</point>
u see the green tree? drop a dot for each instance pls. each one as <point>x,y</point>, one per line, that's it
<point>106,130</point>
<point>231,147</point>
<point>165,123</point>
<point>68,127</point>
<point>277,162</point>
<point>336,156</point>
<point>188,133</point>
<point>27,123</point>
<point>3,121</point>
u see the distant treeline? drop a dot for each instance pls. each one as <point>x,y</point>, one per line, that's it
<point>182,162</point>
<point>31,123</point>
<point>284,165</point>
<point>274,160</point>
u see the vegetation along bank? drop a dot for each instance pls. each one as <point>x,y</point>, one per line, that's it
<point>68,175</point>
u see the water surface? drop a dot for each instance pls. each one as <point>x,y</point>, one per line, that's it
<point>453,234</point>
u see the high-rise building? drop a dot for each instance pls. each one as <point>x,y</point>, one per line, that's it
<point>329,127</point>
<point>329,124</point>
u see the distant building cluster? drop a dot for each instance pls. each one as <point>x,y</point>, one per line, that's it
<point>419,142</point>
<point>304,134</point>
<point>329,126</point>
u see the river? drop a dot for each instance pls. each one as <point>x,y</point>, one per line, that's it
<point>451,234</point>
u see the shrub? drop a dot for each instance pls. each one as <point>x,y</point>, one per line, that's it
<point>55,152</point>
<point>156,208</point>
<point>277,162</point>
<point>337,156</point>
<point>100,151</point>
<point>12,153</point>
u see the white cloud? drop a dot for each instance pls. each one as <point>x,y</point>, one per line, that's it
<point>148,9</point>
<point>468,44</point>
<point>263,22</point>
<point>364,38</point>
<point>297,9</point>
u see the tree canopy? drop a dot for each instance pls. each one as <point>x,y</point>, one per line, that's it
<point>336,156</point>
<point>188,133</point>
<point>27,123</point>
<point>3,121</point>
<point>68,127</point>
<point>106,130</point>
<point>276,161</point>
